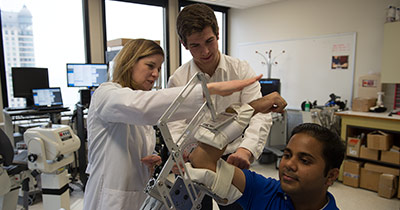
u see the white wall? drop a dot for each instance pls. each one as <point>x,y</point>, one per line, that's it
<point>291,19</point>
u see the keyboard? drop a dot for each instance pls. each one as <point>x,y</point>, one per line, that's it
<point>10,109</point>
<point>49,108</point>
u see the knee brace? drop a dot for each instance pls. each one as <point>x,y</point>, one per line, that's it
<point>226,128</point>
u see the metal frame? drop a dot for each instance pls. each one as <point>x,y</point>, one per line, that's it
<point>181,193</point>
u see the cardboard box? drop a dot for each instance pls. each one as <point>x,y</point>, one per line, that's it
<point>387,185</point>
<point>369,179</point>
<point>382,169</point>
<point>117,42</point>
<point>391,156</point>
<point>379,140</point>
<point>398,189</point>
<point>353,147</point>
<point>351,173</point>
<point>371,154</point>
<point>369,85</point>
<point>363,104</point>
<point>121,42</point>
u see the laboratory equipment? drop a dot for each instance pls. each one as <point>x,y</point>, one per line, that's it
<point>179,192</point>
<point>50,149</point>
<point>379,104</point>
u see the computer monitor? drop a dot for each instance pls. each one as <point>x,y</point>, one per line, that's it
<point>86,75</point>
<point>25,79</point>
<point>47,97</point>
<point>270,85</point>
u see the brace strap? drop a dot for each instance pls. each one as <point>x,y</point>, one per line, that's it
<point>223,179</point>
<point>219,183</point>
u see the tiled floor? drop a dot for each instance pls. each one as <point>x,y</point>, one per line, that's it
<point>347,198</point>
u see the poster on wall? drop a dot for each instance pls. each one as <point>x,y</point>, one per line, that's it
<point>340,56</point>
<point>340,62</point>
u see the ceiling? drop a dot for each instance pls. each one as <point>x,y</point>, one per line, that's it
<point>238,4</point>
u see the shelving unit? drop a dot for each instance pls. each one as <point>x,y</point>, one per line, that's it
<point>354,123</point>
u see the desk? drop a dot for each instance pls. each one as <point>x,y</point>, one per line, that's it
<point>368,120</point>
<point>54,116</point>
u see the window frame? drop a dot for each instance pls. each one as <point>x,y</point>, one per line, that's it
<point>160,3</point>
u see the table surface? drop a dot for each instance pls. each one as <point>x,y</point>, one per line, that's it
<point>383,115</point>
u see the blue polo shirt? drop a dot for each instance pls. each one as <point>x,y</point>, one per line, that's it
<point>266,193</point>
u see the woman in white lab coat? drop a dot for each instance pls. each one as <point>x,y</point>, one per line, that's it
<point>121,139</point>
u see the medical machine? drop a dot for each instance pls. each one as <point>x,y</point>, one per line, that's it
<point>170,191</point>
<point>50,149</point>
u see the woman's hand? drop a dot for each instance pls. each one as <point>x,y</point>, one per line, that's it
<point>228,87</point>
<point>151,162</point>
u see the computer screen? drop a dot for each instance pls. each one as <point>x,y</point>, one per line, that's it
<point>25,79</point>
<point>47,97</point>
<point>86,75</point>
<point>270,85</point>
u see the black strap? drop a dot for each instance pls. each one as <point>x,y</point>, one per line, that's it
<point>60,191</point>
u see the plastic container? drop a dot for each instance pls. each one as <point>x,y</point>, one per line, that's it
<point>307,106</point>
<point>391,14</point>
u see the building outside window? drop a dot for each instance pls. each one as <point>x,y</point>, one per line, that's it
<point>46,34</point>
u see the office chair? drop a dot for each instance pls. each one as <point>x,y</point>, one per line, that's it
<point>13,175</point>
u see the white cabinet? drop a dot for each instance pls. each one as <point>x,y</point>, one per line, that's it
<point>391,53</point>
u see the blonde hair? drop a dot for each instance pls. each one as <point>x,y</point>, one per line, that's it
<point>131,53</point>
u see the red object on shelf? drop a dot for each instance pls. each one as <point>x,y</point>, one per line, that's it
<point>396,97</point>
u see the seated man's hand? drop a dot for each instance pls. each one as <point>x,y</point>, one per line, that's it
<point>272,102</point>
<point>241,158</point>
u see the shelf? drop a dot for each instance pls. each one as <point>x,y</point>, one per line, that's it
<point>392,165</point>
<point>354,123</point>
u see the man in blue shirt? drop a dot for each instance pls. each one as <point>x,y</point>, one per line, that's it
<point>310,164</point>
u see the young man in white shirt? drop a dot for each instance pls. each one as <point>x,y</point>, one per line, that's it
<point>197,28</point>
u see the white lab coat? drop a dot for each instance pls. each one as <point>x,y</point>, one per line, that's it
<point>120,133</point>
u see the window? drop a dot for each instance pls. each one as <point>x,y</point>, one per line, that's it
<point>45,33</point>
<point>135,19</point>
<point>220,14</point>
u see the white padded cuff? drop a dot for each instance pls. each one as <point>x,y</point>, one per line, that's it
<point>219,183</point>
<point>220,138</point>
<point>200,175</point>
<point>224,178</point>
<point>228,132</point>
